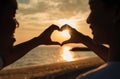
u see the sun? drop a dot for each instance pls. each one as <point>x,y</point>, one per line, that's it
<point>65,34</point>
<point>60,36</point>
<point>70,22</point>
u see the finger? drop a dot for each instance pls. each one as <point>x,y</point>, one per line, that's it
<point>53,27</point>
<point>66,27</point>
<point>66,42</point>
<point>50,29</point>
<point>56,43</point>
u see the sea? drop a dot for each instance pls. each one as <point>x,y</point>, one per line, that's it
<point>43,55</point>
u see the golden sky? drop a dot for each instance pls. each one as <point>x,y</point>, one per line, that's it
<point>35,16</point>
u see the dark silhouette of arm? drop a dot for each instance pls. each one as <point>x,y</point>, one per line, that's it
<point>100,50</point>
<point>18,51</point>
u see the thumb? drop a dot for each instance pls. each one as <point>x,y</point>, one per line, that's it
<point>56,43</point>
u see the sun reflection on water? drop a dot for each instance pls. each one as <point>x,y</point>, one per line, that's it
<point>66,54</point>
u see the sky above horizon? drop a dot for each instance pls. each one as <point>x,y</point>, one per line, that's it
<point>35,16</point>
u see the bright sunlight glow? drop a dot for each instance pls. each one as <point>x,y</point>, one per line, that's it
<point>65,34</point>
<point>72,23</point>
<point>60,36</point>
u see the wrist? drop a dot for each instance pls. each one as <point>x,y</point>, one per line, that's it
<point>87,40</point>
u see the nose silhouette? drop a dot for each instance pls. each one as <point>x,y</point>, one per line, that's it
<point>88,20</point>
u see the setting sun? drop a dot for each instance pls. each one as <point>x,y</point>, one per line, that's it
<point>72,23</point>
<point>60,36</point>
<point>65,34</point>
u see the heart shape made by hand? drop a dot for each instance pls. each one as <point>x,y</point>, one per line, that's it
<point>60,36</point>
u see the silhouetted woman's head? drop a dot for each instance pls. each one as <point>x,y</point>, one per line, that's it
<point>7,15</point>
<point>112,2</point>
<point>8,22</point>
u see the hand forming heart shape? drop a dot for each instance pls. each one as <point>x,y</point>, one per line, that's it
<point>60,35</point>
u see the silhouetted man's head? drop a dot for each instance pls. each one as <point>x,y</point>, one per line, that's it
<point>104,20</point>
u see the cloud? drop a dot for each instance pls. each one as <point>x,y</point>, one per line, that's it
<point>69,6</point>
<point>23,1</point>
<point>37,13</point>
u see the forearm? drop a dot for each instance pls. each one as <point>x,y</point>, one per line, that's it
<point>100,50</point>
<point>20,50</point>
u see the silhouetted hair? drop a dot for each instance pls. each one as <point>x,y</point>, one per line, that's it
<point>7,5</point>
<point>112,2</point>
<point>7,21</point>
<point>4,3</point>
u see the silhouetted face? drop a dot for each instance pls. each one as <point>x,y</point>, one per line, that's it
<point>100,20</point>
<point>8,25</point>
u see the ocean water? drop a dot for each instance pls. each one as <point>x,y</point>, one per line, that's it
<point>50,54</point>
